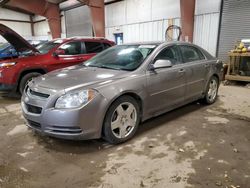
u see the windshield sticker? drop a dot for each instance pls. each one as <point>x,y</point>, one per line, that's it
<point>147,46</point>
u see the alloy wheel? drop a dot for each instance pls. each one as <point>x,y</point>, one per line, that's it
<point>123,120</point>
<point>212,91</point>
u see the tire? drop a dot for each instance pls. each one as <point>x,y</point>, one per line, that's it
<point>25,79</point>
<point>211,90</point>
<point>118,128</point>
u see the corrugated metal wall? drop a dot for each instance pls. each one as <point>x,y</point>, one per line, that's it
<point>139,32</point>
<point>147,20</point>
<point>206,31</point>
<point>235,25</point>
<point>21,28</point>
<point>141,20</point>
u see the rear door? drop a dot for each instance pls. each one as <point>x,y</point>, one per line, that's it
<point>93,47</point>
<point>197,70</point>
<point>166,86</point>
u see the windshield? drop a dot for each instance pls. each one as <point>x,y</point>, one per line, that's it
<point>124,57</point>
<point>47,46</point>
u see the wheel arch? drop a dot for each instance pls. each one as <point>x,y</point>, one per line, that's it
<point>27,71</point>
<point>216,76</point>
<point>126,93</point>
<point>131,94</point>
<point>207,82</point>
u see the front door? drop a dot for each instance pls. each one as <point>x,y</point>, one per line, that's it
<point>72,53</point>
<point>166,86</point>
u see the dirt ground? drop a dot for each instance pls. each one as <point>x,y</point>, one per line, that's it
<point>193,146</point>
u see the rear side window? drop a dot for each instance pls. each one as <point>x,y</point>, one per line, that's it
<point>190,54</point>
<point>93,47</point>
<point>72,48</point>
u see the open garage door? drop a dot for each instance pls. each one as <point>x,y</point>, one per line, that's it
<point>235,25</point>
<point>78,22</point>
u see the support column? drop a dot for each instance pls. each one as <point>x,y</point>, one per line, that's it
<point>187,19</point>
<point>32,26</point>
<point>43,8</point>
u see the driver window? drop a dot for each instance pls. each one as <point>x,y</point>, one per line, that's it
<point>169,53</point>
<point>71,48</point>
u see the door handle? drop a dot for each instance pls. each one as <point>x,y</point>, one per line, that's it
<point>181,71</point>
<point>206,65</point>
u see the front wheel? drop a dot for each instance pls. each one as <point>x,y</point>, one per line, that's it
<point>25,80</point>
<point>122,120</point>
<point>212,90</point>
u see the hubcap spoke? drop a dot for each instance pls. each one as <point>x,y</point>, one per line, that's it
<point>116,124</point>
<point>123,131</point>
<point>130,110</point>
<point>120,110</point>
<point>131,122</point>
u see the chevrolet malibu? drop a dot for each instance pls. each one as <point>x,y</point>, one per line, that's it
<point>113,92</point>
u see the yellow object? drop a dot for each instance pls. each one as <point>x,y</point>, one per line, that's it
<point>244,49</point>
<point>241,45</point>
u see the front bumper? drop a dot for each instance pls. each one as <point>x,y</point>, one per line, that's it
<point>74,124</point>
<point>4,88</point>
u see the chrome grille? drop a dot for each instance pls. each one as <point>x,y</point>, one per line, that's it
<point>31,93</point>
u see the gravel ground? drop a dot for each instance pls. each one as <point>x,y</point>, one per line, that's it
<point>193,146</point>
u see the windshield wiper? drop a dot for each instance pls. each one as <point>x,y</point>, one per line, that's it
<point>107,67</point>
<point>103,66</point>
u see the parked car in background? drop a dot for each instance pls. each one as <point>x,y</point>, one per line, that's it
<point>7,51</point>
<point>35,61</point>
<point>35,43</point>
<point>112,92</point>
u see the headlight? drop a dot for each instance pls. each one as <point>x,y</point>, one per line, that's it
<point>8,64</point>
<point>75,99</point>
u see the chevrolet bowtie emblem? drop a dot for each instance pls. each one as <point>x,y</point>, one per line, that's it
<point>26,99</point>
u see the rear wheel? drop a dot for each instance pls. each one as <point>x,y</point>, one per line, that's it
<point>122,120</point>
<point>25,80</point>
<point>212,90</point>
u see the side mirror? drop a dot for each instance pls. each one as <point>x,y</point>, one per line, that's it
<point>161,63</point>
<point>59,52</point>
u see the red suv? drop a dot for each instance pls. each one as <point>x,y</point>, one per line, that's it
<point>49,56</point>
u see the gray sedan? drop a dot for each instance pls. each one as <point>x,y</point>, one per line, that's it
<point>109,95</point>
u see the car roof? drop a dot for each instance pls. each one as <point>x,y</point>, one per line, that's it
<point>158,43</point>
<point>81,38</point>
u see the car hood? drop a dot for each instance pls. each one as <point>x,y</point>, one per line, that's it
<point>19,43</point>
<point>77,77</point>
